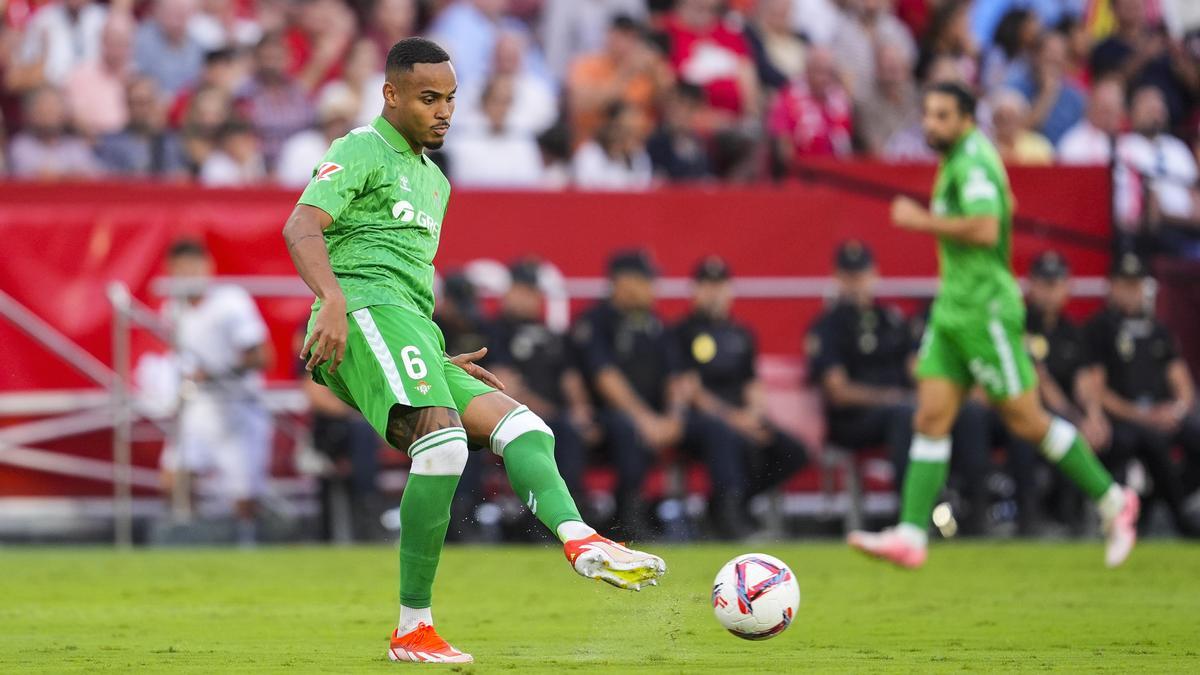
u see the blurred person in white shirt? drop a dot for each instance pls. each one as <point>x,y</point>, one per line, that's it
<point>59,37</point>
<point>616,158</point>
<point>535,105</point>
<point>237,160</point>
<point>498,155</point>
<point>303,151</point>
<point>1155,175</point>
<point>1090,142</point>
<point>222,346</point>
<point>362,78</point>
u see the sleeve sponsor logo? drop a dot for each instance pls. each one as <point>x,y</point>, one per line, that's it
<point>326,170</point>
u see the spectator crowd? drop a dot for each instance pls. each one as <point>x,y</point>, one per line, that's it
<point>603,94</point>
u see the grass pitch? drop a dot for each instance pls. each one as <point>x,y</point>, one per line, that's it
<point>985,607</point>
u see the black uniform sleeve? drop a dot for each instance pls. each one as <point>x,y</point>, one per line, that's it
<point>822,349</point>
<point>682,335</point>
<point>589,336</point>
<point>749,368</point>
<point>1095,341</point>
<point>498,339</point>
<point>673,354</point>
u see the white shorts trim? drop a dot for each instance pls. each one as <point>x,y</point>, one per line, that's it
<point>378,347</point>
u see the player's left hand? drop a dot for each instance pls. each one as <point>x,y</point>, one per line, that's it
<point>467,363</point>
<point>908,213</point>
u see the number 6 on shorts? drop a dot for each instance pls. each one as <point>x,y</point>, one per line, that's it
<point>413,365</point>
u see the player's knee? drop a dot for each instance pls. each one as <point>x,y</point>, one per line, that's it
<point>440,453</point>
<point>1028,425</point>
<point>933,421</point>
<point>518,422</point>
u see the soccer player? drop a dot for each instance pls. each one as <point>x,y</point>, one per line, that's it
<point>974,337</point>
<point>363,237</point>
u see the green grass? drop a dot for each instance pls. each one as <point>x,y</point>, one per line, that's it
<point>981,607</point>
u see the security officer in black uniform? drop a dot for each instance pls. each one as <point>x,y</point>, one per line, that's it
<point>1069,390</point>
<point>860,356</point>
<point>722,354</point>
<point>1149,393</point>
<point>537,367</point>
<point>645,398</point>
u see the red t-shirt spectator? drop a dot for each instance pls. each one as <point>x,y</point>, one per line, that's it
<point>710,58</point>
<point>816,127</point>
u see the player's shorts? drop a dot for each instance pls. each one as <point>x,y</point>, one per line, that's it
<point>978,348</point>
<point>396,356</point>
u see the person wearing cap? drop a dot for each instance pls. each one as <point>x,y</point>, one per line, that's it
<point>721,352</point>
<point>632,364</point>
<point>1148,391</point>
<point>538,368</point>
<point>1067,389</point>
<point>860,354</point>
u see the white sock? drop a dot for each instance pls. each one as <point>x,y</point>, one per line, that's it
<point>1111,503</point>
<point>573,529</point>
<point>410,617</point>
<point>912,534</point>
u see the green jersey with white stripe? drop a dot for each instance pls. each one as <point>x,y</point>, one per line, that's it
<point>971,181</point>
<point>387,203</point>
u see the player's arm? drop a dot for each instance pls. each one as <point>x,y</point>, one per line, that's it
<point>979,230</point>
<point>1183,389</point>
<point>304,234</point>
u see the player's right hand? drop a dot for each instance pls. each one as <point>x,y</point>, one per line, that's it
<point>328,339</point>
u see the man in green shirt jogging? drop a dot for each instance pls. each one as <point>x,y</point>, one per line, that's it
<point>363,237</point>
<point>974,338</point>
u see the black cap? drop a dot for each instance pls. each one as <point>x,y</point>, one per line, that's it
<point>525,271</point>
<point>1128,266</point>
<point>459,289</point>
<point>1050,265</point>
<point>634,261</point>
<point>853,256</point>
<point>712,268</point>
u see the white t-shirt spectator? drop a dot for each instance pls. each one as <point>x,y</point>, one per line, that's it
<point>593,169</point>
<point>534,108</point>
<point>485,159</point>
<point>1085,144</point>
<point>214,334</point>
<point>818,19</point>
<point>298,156</point>
<point>222,170</point>
<point>1166,164</point>
<point>65,42</point>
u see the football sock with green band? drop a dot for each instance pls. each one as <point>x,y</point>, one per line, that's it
<point>533,473</point>
<point>1067,448</point>
<point>438,460</point>
<point>928,464</point>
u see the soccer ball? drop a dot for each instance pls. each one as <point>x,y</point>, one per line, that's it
<point>755,596</point>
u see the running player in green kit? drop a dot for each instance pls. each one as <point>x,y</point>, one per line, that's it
<point>363,237</point>
<point>974,337</point>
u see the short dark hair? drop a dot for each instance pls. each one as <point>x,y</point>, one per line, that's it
<point>413,50</point>
<point>959,92</point>
<point>187,248</point>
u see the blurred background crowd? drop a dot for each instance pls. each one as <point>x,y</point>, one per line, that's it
<point>602,94</point>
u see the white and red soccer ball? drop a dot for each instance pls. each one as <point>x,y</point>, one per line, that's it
<point>755,596</point>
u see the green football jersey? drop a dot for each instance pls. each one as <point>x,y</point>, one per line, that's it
<point>387,204</point>
<point>971,181</point>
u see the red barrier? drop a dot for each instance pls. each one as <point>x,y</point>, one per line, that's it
<point>65,242</point>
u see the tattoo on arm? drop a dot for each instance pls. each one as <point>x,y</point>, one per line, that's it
<point>292,244</point>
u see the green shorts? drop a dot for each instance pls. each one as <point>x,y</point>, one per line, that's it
<point>974,348</point>
<point>396,356</point>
